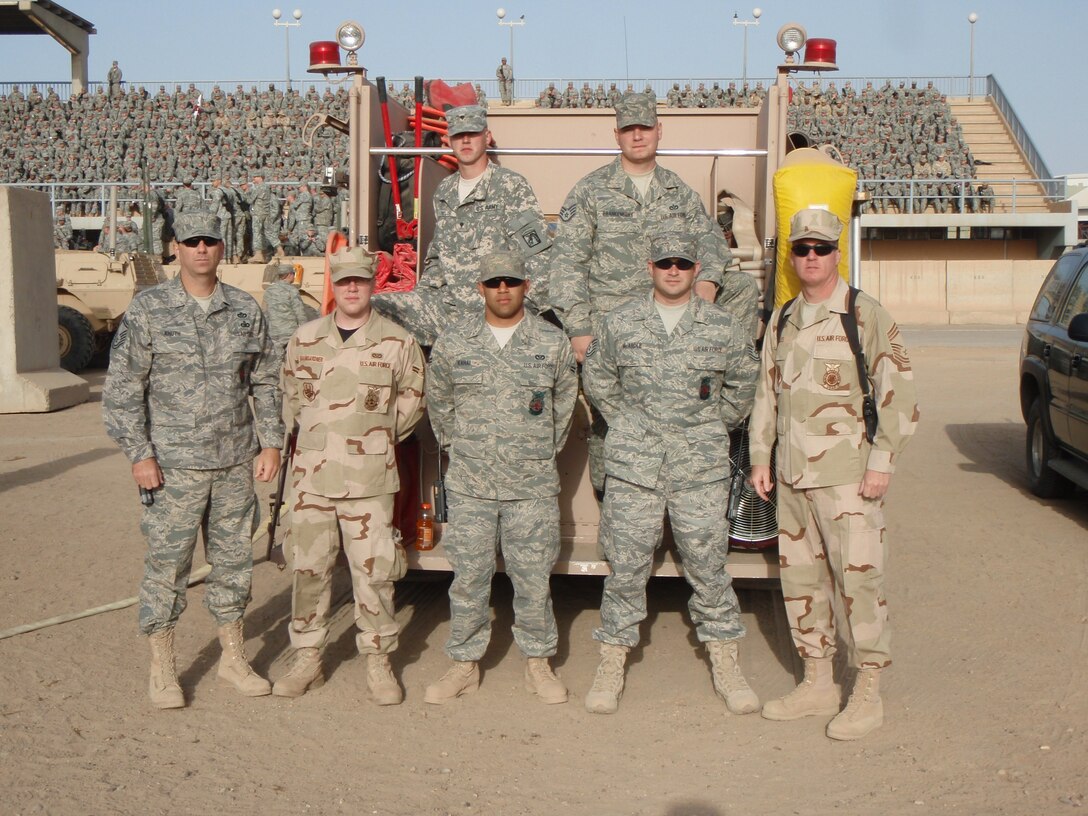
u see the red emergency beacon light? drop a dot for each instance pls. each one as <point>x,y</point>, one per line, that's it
<point>324,55</point>
<point>820,55</point>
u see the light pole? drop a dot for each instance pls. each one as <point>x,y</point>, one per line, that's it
<point>287,26</point>
<point>756,13</point>
<point>501,14</point>
<point>972,18</point>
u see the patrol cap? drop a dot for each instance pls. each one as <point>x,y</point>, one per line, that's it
<point>352,263</point>
<point>815,223</point>
<point>278,270</point>
<point>502,265</point>
<point>466,119</point>
<point>672,245</point>
<point>636,109</point>
<point>199,224</point>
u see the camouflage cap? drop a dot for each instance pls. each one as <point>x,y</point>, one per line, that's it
<point>672,245</point>
<point>278,270</point>
<point>199,224</point>
<point>636,109</point>
<point>815,223</point>
<point>466,119</point>
<point>352,263</point>
<point>502,265</point>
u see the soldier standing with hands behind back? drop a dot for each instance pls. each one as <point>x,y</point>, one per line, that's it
<point>353,382</point>
<point>185,361</point>
<point>832,473</point>
<point>671,374</point>
<point>502,389</point>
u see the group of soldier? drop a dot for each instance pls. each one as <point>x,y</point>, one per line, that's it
<point>904,142</point>
<point>638,278</point>
<point>256,223</point>
<point>570,97</point>
<point>716,97</point>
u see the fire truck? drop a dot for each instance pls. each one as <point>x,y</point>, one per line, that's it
<point>729,156</point>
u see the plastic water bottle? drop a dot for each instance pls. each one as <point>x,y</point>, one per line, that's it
<point>425,528</point>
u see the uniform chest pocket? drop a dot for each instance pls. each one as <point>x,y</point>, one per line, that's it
<point>375,390</point>
<point>833,367</point>
<point>535,392</point>
<point>618,225</point>
<point>173,343</point>
<point>634,358</point>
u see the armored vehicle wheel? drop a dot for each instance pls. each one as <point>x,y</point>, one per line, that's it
<point>76,339</point>
<point>1043,481</point>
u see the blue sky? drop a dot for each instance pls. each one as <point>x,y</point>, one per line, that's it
<point>1033,49</point>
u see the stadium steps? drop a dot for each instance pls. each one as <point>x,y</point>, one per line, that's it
<point>988,136</point>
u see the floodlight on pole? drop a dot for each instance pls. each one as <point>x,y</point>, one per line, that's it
<point>501,14</point>
<point>287,25</point>
<point>972,18</point>
<point>756,13</point>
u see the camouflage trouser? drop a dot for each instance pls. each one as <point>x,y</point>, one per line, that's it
<point>266,232</point>
<point>636,519</point>
<point>425,312</point>
<point>318,528</point>
<point>222,504</point>
<point>238,236</point>
<point>832,540</point>
<point>529,532</point>
<point>226,225</point>
<point>158,227</point>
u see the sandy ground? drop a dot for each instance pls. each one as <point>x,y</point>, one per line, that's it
<point>986,705</point>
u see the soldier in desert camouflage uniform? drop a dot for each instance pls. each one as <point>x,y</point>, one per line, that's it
<point>501,390</point>
<point>185,361</point>
<point>671,374</point>
<point>831,479</point>
<point>283,306</point>
<point>605,226</point>
<point>353,383</point>
<point>481,209</point>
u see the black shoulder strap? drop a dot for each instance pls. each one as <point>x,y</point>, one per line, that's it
<point>850,326</point>
<point>780,326</point>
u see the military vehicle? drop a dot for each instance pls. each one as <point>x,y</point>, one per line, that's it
<point>728,155</point>
<point>93,291</point>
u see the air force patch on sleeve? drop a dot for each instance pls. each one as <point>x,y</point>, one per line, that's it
<point>567,213</point>
<point>591,349</point>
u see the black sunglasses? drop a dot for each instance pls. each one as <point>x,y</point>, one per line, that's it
<point>683,264</point>
<point>495,283</point>
<point>193,243</point>
<point>823,250</point>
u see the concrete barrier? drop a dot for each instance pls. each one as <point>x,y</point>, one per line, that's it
<point>31,379</point>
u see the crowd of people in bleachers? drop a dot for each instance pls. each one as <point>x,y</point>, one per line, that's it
<point>891,135</point>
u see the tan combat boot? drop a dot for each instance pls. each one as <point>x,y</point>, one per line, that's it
<point>816,694</point>
<point>729,683</point>
<point>541,681</point>
<point>864,710</point>
<point>233,666</point>
<point>163,687</point>
<point>383,686</point>
<point>604,696</point>
<point>462,678</point>
<point>305,674</point>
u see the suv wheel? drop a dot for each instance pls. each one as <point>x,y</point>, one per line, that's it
<point>1044,482</point>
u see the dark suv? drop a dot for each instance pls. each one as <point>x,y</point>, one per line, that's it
<point>1054,379</point>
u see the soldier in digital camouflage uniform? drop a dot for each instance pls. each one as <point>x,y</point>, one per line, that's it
<point>265,212</point>
<point>186,359</point>
<point>605,226</point>
<point>481,209</point>
<point>283,306</point>
<point>62,231</point>
<point>501,391</point>
<point>505,74</point>
<point>831,479</point>
<point>353,384</point>
<point>671,374</point>
<point>221,202</point>
<point>187,199</point>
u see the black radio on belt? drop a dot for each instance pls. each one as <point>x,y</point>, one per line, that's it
<point>439,489</point>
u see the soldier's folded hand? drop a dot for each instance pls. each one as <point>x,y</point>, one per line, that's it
<point>147,473</point>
